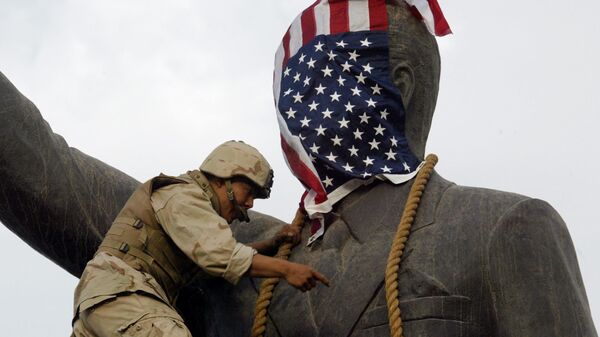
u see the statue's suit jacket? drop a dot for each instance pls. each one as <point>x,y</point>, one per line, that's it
<point>478,262</point>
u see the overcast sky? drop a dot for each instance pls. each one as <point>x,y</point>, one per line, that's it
<point>518,108</point>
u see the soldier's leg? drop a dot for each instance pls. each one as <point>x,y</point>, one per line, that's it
<point>157,326</point>
<point>133,315</point>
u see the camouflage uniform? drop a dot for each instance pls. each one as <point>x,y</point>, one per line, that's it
<point>167,229</point>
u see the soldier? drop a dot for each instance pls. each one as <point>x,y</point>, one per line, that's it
<point>171,230</point>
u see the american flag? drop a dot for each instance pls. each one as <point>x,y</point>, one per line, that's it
<point>340,116</point>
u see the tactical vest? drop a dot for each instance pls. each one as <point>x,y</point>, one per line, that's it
<point>138,239</point>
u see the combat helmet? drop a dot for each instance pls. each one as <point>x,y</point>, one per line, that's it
<point>238,159</point>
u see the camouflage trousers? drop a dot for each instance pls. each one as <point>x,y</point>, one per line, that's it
<point>132,315</point>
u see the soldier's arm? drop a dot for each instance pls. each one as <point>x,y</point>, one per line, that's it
<point>299,276</point>
<point>534,278</point>
<point>188,217</point>
<point>186,214</point>
<point>286,233</point>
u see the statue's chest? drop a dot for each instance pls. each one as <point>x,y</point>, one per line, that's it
<point>436,287</point>
<point>441,285</point>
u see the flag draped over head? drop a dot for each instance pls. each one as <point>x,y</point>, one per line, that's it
<point>430,13</point>
<point>340,116</point>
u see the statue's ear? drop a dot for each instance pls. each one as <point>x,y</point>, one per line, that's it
<point>404,79</point>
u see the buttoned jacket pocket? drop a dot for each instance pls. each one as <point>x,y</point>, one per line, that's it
<point>422,317</point>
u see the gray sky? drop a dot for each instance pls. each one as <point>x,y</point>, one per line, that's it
<point>517,111</point>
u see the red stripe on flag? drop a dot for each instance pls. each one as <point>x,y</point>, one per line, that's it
<point>441,25</point>
<point>286,48</point>
<point>338,14</point>
<point>378,15</point>
<point>416,13</point>
<point>302,200</point>
<point>315,225</point>
<point>309,24</point>
<point>304,174</point>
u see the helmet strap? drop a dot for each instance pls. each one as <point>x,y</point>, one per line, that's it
<point>229,190</point>
<point>243,213</point>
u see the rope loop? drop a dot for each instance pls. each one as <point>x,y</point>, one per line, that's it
<point>268,285</point>
<point>393,266</point>
<point>402,233</point>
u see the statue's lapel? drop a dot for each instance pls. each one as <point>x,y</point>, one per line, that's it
<point>379,208</point>
<point>353,254</point>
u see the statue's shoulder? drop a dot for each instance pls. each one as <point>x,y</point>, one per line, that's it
<point>260,227</point>
<point>482,206</point>
<point>379,207</point>
<point>496,212</point>
<point>487,200</point>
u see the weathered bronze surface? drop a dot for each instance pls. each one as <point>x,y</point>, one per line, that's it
<point>479,262</point>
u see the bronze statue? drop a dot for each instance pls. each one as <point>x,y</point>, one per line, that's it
<point>478,263</point>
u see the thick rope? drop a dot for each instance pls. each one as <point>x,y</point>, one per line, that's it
<point>393,264</point>
<point>267,285</point>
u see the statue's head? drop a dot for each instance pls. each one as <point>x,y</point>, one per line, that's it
<point>415,70</point>
<point>355,87</point>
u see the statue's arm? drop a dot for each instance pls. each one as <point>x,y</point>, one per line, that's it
<point>61,202</point>
<point>54,197</point>
<point>534,279</point>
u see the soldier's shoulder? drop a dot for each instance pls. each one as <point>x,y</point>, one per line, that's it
<point>163,180</point>
<point>165,188</point>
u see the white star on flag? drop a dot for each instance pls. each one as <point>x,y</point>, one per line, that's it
<point>337,141</point>
<point>320,130</point>
<point>320,89</point>
<point>349,106</point>
<point>291,113</point>
<point>335,96</point>
<point>326,71</point>
<point>376,89</point>
<point>344,123</point>
<point>319,46</point>
<point>298,98</point>
<point>328,181</point>
<point>327,113</point>
<point>341,43</point>
<point>365,42</point>
<point>305,121</point>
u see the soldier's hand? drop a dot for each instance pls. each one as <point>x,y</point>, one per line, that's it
<point>287,233</point>
<point>303,277</point>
